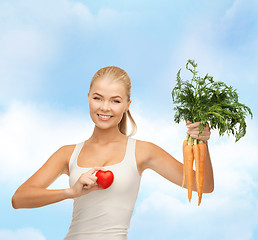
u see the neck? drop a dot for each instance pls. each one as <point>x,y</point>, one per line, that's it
<point>105,136</point>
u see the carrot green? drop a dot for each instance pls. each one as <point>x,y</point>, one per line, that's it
<point>207,101</point>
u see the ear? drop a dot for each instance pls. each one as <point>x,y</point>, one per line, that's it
<point>129,103</point>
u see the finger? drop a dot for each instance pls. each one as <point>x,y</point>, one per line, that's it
<point>94,169</point>
<point>203,138</point>
<point>93,178</point>
<point>196,125</point>
<point>91,184</point>
<point>207,128</point>
<point>188,122</point>
<point>193,125</point>
<point>86,186</point>
<point>91,171</point>
<point>206,133</point>
<point>96,188</point>
<point>196,132</point>
<point>87,181</point>
<point>99,168</point>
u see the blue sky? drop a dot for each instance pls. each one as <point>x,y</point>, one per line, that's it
<point>50,50</point>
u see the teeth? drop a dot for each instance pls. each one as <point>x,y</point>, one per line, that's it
<point>104,116</point>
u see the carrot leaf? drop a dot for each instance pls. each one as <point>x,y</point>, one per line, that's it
<point>207,101</point>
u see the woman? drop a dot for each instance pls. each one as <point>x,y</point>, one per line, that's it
<point>106,213</point>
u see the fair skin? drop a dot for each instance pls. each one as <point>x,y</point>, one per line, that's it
<point>105,98</point>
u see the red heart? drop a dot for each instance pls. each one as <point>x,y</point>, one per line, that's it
<point>105,178</point>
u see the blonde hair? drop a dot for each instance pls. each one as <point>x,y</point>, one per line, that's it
<point>118,75</point>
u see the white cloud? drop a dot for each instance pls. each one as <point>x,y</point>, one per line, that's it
<point>223,46</point>
<point>164,207</point>
<point>26,49</point>
<point>237,11</point>
<point>231,207</point>
<point>216,218</point>
<point>24,54</point>
<point>21,234</point>
<point>30,134</point>
<point>35,35</point>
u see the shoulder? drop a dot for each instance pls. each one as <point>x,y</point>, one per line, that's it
<point>67,150</point>
<point>145,146</point>
<point>144,152</point>
<point>150,155</point>
<point>65,153</point>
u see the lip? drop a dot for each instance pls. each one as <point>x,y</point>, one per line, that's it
<point>103,119</point>
<point>105,115</point>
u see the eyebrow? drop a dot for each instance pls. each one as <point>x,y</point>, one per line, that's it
<point>102,96</point>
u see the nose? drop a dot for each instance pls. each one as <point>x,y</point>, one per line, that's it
<point>105,106</point>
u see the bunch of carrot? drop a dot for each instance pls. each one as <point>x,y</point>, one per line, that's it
<point>194,151</point>
<point>201,99</point>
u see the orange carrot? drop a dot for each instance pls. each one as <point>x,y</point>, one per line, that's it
<point>184,166</point>
<point>202,148</point>
<point>196,153</point>
<point>189,168</point>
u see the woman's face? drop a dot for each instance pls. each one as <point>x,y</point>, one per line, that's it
<point>107,102</point>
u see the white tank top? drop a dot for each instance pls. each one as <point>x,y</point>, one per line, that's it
<point>106,213</point>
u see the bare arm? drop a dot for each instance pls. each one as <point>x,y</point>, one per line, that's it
<point>167,166</point>
<point>33,193</point>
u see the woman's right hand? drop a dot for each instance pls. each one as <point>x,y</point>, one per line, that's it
<point>85,184</point>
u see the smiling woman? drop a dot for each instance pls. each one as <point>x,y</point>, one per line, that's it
<point>119,84</point>
<point>106,213</point>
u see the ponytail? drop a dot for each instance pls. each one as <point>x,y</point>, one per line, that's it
<point>123,124</point>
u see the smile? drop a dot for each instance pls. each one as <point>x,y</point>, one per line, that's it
<point>104,117</point>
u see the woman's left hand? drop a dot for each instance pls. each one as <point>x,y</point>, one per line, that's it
<point>193,130</point>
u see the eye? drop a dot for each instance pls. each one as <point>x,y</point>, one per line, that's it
<point>97,98</point>
<point>116,101</point>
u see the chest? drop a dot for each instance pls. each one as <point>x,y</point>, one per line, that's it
<point>91,156</point>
